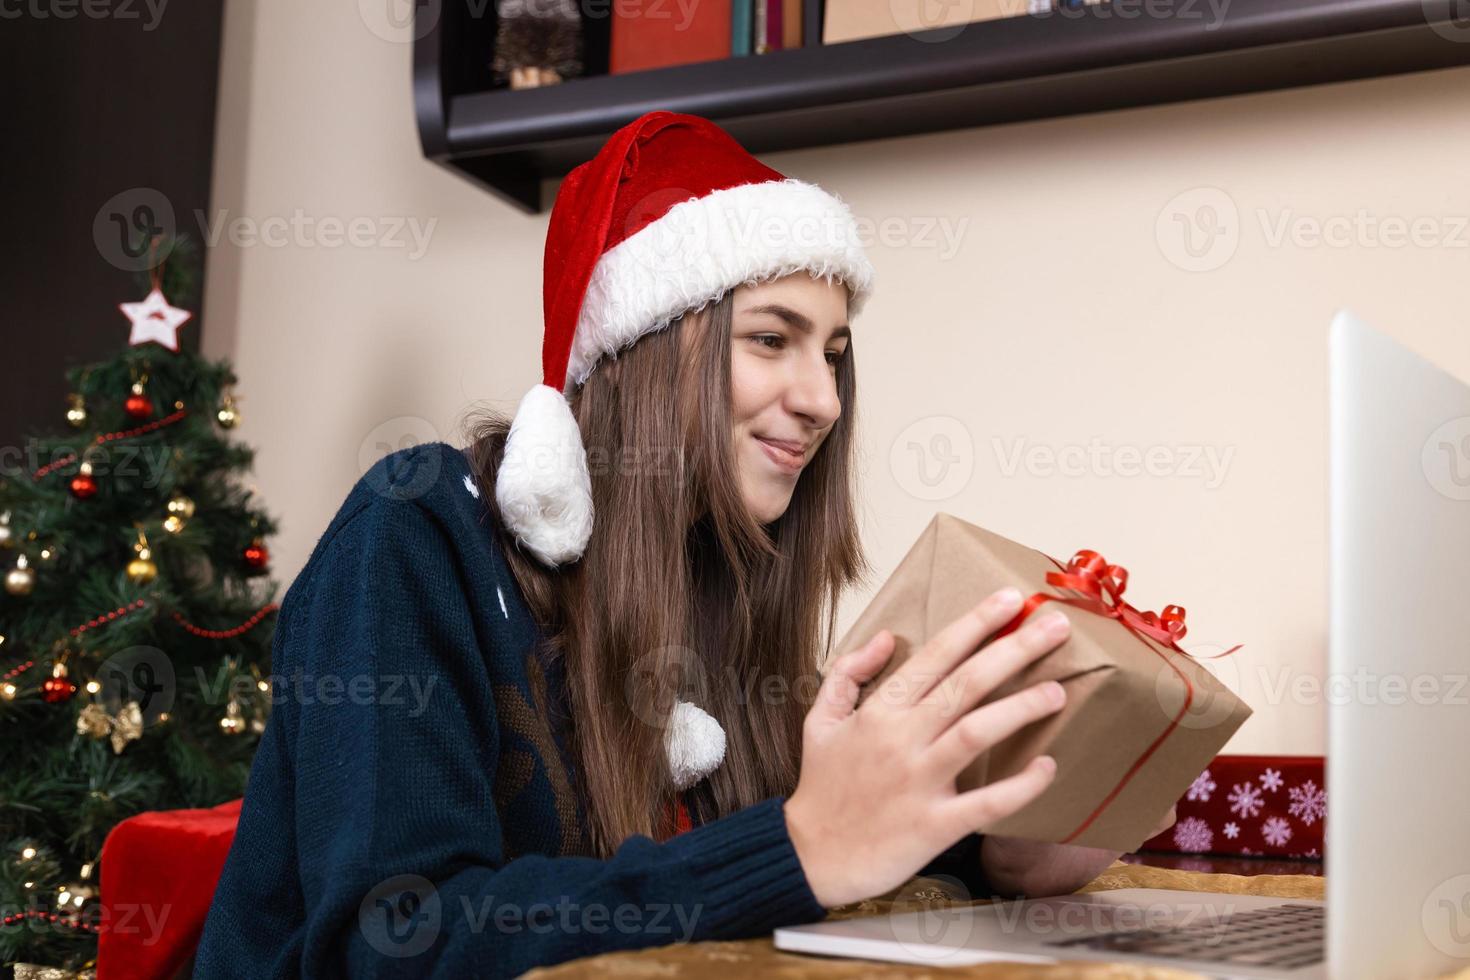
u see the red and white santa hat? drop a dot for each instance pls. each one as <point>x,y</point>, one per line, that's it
<point>670,214</point>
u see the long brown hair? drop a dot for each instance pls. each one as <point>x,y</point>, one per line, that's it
<point>680,585</point>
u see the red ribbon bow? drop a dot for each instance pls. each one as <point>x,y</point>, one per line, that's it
<point>1101,586</point>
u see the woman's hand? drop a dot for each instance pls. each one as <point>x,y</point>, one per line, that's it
<point>1035,868</point>
<point>876,798</point>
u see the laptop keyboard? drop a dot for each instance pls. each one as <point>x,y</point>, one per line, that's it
<point>1282,937</point>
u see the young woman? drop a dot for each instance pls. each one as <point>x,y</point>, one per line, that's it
<point>558,693</point>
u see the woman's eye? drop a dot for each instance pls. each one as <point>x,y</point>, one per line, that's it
<point>833,356</point>
<point>775,338</point>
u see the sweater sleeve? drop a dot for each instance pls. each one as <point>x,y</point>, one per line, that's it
<point>381,757</point>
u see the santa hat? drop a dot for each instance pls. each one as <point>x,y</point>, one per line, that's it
<point>669,215</point>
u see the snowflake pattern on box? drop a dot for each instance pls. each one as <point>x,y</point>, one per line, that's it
<point>1276,831</point>
<point>1276,806</point>
<point>1193,835</point>
<point>1245,800</point>
<point>1201,788</point>
<point>1308,803</point>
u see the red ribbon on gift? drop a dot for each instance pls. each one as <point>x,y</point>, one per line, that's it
<point>1102,586</point>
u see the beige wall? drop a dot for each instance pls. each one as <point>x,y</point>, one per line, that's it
<point>1059,310</point>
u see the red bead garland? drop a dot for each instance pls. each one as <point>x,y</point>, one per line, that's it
<point>108,617</point>
<point>11,920</point>
<point>17,670</point>
<point>229,633</point>
<point>109,437</point>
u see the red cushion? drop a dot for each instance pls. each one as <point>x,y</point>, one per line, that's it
<point>158,875</point>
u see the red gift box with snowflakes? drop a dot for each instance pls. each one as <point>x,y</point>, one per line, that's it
<point>1252,806</point>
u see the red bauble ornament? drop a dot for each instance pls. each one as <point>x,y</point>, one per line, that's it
<point>57,689</point>
<point>138,406</point>
<point>257,556</point>
<point>83,486</point>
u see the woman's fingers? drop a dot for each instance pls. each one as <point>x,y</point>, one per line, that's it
<point>987,725</point>
<point>974,679</point>
<point>932,662</point>
<point>839,690</point>
<point>977,810</point>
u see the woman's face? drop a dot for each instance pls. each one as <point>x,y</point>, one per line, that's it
<point>786,338</point>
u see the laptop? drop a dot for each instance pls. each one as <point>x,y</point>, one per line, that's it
<point>1398,882</point>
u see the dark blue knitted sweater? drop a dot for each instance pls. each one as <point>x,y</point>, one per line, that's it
<point>412,811</point>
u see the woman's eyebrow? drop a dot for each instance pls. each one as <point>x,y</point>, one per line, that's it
<point>796,319</point>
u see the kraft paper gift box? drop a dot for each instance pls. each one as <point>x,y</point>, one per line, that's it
<point>1142,717</point>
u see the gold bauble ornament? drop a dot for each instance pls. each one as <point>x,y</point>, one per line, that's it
<point>228,414</point>
<point>141,571</point>
<point>21,579</point>
<point>7,536</point>
<point>232,722</point>
<point>180,510</point>
<point>76,411</point>
<point>181,505</point>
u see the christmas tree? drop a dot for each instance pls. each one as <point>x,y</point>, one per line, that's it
<point>135,621</point>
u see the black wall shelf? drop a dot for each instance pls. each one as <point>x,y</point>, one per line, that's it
<point>997,71</point>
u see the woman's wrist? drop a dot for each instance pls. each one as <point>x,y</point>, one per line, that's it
<point>808,850</point>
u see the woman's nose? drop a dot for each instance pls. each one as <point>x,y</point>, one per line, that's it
<point>813,391</point>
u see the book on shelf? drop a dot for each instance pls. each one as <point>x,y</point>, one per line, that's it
<point>658,33</point>
<point>854,20</point>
